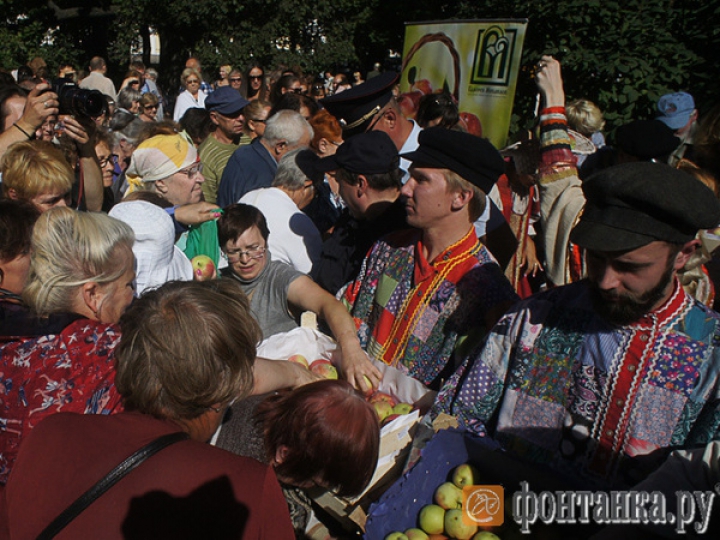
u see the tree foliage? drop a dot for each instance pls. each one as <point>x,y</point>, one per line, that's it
<point>621,54</point>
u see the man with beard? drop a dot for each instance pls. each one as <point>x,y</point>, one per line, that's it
<point>599,379</point>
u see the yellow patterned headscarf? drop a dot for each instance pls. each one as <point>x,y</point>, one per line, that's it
<point>160,157</point>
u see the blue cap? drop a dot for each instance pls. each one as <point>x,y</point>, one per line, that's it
<point>675,109</point>
<point>225,100</point>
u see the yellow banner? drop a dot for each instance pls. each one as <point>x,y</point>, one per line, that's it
<point>475,61</point>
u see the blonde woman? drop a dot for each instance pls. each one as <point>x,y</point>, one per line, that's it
<point>81,280</point>
<point>192,96</point>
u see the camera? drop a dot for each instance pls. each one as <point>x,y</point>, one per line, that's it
<point>78,101</point>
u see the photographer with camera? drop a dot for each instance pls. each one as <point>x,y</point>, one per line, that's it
<point>74,108</point>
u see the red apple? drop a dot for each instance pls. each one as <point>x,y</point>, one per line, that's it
<point>389,418</point>
<point>203,268</point>
<point>382,396</point>
<point>324,369</point>
<point>409,103</point>
<point>423,85</point>
<point>472,123</point>
<point>299,359</point>
<point>383,410</point>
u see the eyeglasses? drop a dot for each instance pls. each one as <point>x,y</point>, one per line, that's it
<point>107,160</point>
<point>192,171</point>
<point>150,107</point>
<point>254,252</point>
<point>192,81</point>
<point>256,77</point>
<point>296,90</point>
<point>236,79</point>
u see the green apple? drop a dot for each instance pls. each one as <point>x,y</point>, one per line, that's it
<point>448,495</point>
<point>465,475</point>
<point>383,410</point>
<point>432,519</point>
<point>485,535</point>
<point>456,527</point>
<point>416,534</point>
<point>402,408</point>
<point>396,536</point>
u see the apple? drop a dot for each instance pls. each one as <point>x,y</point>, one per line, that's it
<point>432,519</point>
<point>203,268</point>
<point>465,475</point>
<point>389,418</point>
<point>449,496</point>
<point>299,359</point>
<point>437,537</point>
<point>396,536</point>
<point>472,123</point>
<point>383,409</point>
<point>485,535</point>
<point>456,527</point>
<point>402,408</point>
<point>369,385</point>
<point>416,534</point>
<point>409,103</point>
<point>324,369</point>
<point>423,86</point>
<point>382,396</point>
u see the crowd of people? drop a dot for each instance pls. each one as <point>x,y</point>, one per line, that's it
<point>558,294</point>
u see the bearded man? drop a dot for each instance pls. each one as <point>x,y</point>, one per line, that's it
<point>603,377</point>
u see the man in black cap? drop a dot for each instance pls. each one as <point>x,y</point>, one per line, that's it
<point>371,107</point>
<point>423,292</point>
<point>366,170</point>
<point>226,113</point>
<point>590,376</point>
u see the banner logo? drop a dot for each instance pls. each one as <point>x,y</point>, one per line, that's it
<point>493,56</point>
<point>483,505</point>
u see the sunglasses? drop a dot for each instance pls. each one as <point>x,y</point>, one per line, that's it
<point>150,107</point>
<point>236,79</point>
<point>192,81</point>
<point>256,77</point>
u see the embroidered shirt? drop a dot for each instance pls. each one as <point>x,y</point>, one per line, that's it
<point>412,313</point>
<point>71,371</point>
<point>556,383</point>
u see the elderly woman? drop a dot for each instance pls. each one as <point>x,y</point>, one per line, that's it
<point>129,100</point>
<point>80,282</point>
<point>192,96</point>
<point>295,239</point>
<point>157,258</point>
<point>148,107</point>
<point>186,354</point>
<point>309,435</point>
<point>279,294</point>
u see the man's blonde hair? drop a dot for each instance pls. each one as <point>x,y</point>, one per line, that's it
<point>455,182</point>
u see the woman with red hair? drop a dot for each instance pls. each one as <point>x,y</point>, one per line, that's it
<point>320,434</point>
<point>327,206</point>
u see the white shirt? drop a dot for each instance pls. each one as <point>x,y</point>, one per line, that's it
<point>294,239</point>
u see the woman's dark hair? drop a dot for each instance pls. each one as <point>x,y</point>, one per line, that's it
<point>196,122</point>
<point>17,219</point>
<point>320,429</point>
<point>238,218</point>
<point>294,102</point>
<point>284,82</point>
<point>434,106</point>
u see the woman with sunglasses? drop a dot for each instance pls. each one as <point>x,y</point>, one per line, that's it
<point>192,96</point>
<point>255,83</point>
<point>148,107</point>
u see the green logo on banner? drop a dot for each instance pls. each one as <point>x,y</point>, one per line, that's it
<point>493,56</point>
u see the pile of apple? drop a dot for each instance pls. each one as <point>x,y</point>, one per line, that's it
<point>320,367</point>
<point>387,407</point>
<point>443,519</point>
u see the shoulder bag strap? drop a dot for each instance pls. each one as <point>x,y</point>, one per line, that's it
<point>112,478</point>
